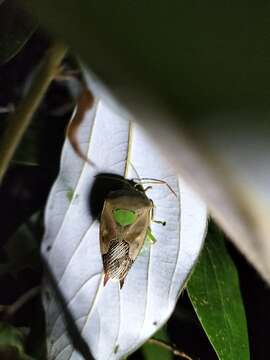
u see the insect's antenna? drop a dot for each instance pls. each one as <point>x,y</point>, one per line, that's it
<point>156,181</point>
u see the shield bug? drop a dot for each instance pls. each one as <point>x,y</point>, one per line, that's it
<point>125,222</point>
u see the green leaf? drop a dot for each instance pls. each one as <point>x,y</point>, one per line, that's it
<point>155,352</point>
<point>15,29</point>
<point>215,294</point>
<point>12,343</point>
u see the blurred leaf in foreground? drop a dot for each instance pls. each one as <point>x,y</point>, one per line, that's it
<point>215,294</point>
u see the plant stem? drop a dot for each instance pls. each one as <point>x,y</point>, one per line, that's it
<point>169,347</point>
<point>7,311</point>
<point>18,121</point>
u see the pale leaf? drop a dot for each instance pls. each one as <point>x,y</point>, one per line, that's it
<point>115,322</point>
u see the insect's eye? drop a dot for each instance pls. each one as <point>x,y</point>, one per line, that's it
<point>124,217</point>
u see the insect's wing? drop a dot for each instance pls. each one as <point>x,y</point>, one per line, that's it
<point>114,250</point>
<point>117,261</point>
<point>108,227</point>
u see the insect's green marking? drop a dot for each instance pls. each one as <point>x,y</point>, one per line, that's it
<point>124,217</point>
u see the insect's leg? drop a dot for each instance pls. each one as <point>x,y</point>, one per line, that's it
<point>138,185</point>
<point>163,223</point>
<point>150,236</point>
<point>147,188</point>
<point>148,241</point>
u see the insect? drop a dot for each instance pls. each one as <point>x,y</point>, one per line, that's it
<point>124,226</point>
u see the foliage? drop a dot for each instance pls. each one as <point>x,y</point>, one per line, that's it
<point>215,294</point>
